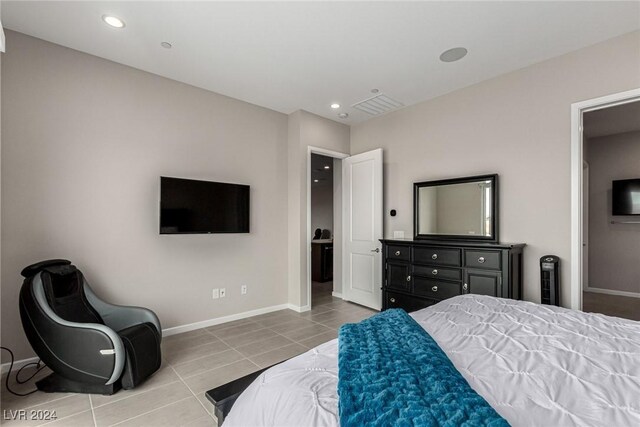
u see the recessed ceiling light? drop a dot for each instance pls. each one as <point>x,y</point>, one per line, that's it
<point>113,21</point>
<point>375,90</point>
<point>335,106</point>
<point>452,55</point>
<point>343,115</point>
<point>327,167</point>
<point>166,45</point>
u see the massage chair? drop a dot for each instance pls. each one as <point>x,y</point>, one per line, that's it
<point>90,345</point>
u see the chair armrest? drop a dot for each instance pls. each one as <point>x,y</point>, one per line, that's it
<point>83,347</point>
<point>119,317</point>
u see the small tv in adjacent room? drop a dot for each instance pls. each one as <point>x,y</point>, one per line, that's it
<point>188,206</point>
<point>625,197</point>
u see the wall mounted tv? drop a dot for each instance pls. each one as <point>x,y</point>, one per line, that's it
<point>625,196</point>
<point>188,206</point>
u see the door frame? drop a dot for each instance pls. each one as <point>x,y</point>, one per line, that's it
<point>336,155</point>
<point>577,158</point>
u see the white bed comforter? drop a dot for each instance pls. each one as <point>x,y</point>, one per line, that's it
<point>536,365</point>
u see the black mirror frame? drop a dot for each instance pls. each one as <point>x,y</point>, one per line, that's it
<point>494,238</point>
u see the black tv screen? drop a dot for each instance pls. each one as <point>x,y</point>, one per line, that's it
<point>188,206</point>
<point>625,196</point>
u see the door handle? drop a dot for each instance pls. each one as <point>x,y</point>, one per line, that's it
<point>465,287</point>
<point>408,278</point>
<point>376,250</point>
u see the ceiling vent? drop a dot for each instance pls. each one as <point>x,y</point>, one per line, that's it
<point>377,105</point>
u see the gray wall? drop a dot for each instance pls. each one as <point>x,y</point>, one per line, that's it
<point>322,206</point>
<point>517,125</point>
<point>84,143</point>
<point>614,249</point>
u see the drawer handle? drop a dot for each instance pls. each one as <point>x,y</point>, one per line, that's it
<point>392,299</point>
<point>434,272</point>
<point>465,287</point>
<point>481,260</point>
<point>397,253</point>
<point>408,278</point>
<point>434,289</point>
<point>434,256</point>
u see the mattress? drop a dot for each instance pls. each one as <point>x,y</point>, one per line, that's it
<point>535,365</point>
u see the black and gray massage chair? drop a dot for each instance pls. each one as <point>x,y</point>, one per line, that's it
<point>91,346</point>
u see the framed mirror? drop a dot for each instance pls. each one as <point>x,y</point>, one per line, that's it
<point>461,208</point>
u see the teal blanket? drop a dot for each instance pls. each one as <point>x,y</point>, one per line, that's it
<point>392,373</point>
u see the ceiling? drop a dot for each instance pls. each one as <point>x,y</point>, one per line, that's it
<point>612,120</point>
<point>320,172</point>
<point>306,55</point>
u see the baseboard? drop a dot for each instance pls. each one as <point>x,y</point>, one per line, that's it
<point>612,292</point>
<point>224,319</point>
<point>336,294</point>
<point>299,309</point>
<point>17,364</point>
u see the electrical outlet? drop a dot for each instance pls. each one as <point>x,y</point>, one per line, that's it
<point>215,294</point>
<point>243,289</point>
<point>398,234</point>
<point>223,292</point>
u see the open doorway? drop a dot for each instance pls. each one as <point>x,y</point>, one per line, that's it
<point>323,228</point>
<point>611,211</point>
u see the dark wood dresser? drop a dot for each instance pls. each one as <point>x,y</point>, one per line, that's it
<point>419,273</point>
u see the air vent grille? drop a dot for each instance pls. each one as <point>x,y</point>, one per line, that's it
<point>377,105</point>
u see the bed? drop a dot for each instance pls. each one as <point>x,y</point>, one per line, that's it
<point>534,364</point>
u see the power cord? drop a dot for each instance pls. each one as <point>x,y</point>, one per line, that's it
<point>39,365</point>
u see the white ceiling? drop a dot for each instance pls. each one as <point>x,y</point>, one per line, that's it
<point>613,120</point>
<point>305,55</point>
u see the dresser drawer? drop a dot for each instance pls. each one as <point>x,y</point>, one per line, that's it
<point>438,272</point>
<point>435,288</point>
<point>402,253</point>
<point>437,256</point>
<point>482,259</point>
<point>406,302</point>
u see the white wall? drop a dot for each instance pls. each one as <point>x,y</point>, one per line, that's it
<point>517,125</point>
<point>84,143</point>
<point>613,248</point>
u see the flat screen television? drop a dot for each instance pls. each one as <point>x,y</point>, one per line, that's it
<point>625,196</point>
<point>188,206</point>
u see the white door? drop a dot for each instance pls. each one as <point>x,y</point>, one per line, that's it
<point>362,228</point>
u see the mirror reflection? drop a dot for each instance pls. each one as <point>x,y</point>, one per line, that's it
<point>464,209</point>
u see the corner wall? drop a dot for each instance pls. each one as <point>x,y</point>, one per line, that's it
<point>517,125</point>
<point>84,142</point>
<point>306,130</point>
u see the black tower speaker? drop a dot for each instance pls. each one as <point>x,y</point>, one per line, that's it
<point>550,279</point>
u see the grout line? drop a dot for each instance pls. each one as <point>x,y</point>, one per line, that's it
<point>148,412</point>
<point>201,357</point>
<point>242,357</point>
<point>93,413</point>
<point>63,418</point>
<point>194,395</point>
<point>43,403</point>
<point>138,393</point>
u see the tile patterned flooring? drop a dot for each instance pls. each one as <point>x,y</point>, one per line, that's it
<point>194,362</point>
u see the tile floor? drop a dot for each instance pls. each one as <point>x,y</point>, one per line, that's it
<point>194,362</point>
